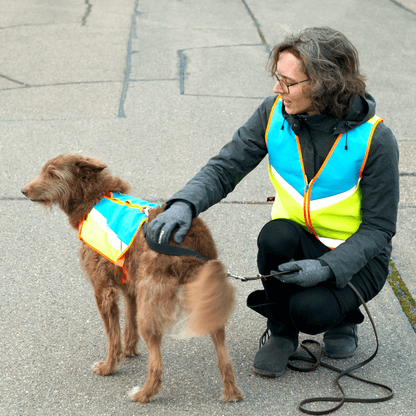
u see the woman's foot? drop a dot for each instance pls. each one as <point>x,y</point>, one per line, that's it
<point>341,341</point>
<point>272,357</point>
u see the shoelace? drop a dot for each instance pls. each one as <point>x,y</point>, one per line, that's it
<point>264,338</point>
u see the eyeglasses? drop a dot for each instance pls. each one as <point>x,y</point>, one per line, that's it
<point>285,85</point>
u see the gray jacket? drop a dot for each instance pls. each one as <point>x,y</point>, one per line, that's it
<point>317,133</point>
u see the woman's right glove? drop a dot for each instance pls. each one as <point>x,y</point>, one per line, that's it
<point>179,214</point>
<point>306,273</point>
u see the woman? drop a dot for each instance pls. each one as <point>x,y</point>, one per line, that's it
<point>334,165</point>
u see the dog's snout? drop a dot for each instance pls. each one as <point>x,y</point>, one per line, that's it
<point>25,189</point>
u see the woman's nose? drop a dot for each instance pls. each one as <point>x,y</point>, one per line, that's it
<point>277,88</point>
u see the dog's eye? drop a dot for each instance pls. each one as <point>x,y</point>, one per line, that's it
<point>53,176</point>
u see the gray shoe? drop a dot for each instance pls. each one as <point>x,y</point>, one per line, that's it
<point>273,356</point>
<point>341,341</point>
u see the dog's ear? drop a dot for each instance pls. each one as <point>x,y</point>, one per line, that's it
<point>89,166</point>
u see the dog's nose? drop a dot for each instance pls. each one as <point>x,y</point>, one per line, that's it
<point>24,191</point>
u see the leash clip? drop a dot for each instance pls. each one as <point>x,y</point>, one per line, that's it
<point>246,279</point>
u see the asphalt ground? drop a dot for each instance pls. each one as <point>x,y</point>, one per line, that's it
<point>155,88</point>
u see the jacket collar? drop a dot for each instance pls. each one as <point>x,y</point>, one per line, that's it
<point>361,110</point>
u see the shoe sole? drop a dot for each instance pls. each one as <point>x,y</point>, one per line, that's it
<point>339,357</point>
<point>266,373</point>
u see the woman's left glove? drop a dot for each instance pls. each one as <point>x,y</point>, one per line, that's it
<point>179,214</point>
<point>306,273</point>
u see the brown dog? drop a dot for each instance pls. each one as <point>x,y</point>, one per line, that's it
<point>157,287</point>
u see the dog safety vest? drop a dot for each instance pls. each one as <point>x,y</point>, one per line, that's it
<point>329,206</point>
<point>111,226</point>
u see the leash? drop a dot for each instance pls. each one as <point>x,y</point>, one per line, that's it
<point>171,250</point>
<point>315,363</point>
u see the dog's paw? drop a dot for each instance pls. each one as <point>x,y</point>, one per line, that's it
<point>232,394</point>
<point>130,352</point>
<point>101,368</point>
<point>138,395</point>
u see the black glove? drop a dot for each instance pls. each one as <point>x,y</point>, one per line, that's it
<point>306,273</point>
<point>179,214</point>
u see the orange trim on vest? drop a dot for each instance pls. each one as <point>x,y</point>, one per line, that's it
<point>270,117</point>
<point>369,144</point>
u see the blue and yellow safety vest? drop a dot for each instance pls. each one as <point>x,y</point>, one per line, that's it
<point>329,206</point>
<point>111,226</point>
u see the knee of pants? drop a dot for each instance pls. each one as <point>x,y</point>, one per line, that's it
<point>314,310</point>
<point>278,236</point>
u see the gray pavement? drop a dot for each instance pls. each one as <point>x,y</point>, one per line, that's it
<point>154,88</point>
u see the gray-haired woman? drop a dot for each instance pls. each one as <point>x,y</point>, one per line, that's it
<point>334,165</point>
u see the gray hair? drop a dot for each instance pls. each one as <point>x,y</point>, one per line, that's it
<point>331,61</point>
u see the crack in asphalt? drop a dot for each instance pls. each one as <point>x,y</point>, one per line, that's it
<point>127,71</point>
<point>15,80</point>
<point>257,24</point>
<point>57,84</point>
<point>87,12</point>
<point>403,7</point>
<point>182,68</point>
<point>225,96</point>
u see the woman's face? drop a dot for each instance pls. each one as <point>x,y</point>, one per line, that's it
<point>297,100</point>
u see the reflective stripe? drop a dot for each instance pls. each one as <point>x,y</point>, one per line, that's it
<point>98,238</point>
<point>287,187</point>
<point>332,200</point>
<point>112,238</point>
<point>317,204</point>
<point>111,226</point>
<point>330,242</point>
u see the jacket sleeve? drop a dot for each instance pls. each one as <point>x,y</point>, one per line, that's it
<point>236,159</point>
<point>379,206</point>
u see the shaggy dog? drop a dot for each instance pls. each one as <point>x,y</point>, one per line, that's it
<point>158,287</point>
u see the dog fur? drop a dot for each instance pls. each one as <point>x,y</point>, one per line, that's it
<point>158,286</point>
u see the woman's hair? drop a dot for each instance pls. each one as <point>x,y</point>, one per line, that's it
<point>330,60</point>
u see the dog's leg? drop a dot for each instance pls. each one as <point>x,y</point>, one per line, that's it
<point>131,333</point>
<point>153,383</point>
<point>230,391</point>
<point>107,302</point>
<point>156,302</point>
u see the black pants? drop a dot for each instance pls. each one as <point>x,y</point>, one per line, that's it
<point>290,308</point>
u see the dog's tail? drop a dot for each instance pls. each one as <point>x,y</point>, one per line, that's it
<point>209,300</point>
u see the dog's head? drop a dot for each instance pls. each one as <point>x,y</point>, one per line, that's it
<point>74,182</point>
<point>63,178</point>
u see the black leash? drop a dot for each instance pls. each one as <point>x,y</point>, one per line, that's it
<point>171,250</point>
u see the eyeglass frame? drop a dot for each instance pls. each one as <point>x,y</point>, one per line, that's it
<point>276,74</point>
